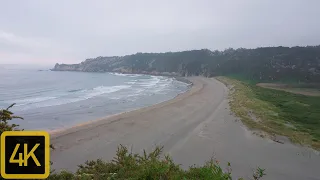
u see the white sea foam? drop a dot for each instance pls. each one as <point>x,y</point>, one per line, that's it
<point>132,82</point>
<point>38,102</point>
<point>135,75</point>
<point>22,102</point>
<point>118,74</point>
<point>126,75</point>
<point>153,85</point>
<point>104,90</point>
<point>150,82</point>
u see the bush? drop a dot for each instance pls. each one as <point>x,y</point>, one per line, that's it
<point>5,116</point>
<point>127,165</point>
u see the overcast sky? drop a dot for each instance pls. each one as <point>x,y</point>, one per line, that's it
<point>69,31</point>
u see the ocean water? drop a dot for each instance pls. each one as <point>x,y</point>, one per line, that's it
<point>50,100</point>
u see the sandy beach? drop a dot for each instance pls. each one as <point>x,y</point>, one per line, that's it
<point>193,127</point>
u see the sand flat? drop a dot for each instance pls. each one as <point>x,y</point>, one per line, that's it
<point>192,127</point>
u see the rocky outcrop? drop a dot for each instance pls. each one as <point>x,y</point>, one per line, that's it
<point>109,64</point>
<point>67,67</point>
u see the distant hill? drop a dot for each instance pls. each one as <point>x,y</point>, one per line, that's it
<point>267,64</point>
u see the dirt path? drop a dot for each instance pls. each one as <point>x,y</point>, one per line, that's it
<point>192,128</point>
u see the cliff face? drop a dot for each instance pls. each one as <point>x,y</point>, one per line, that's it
<point>66,67</point>
<point>262,64</point>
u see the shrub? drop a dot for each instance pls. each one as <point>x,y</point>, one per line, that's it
<point>5,116</point>
<point>127,165</point>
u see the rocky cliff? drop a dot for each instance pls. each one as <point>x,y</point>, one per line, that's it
<point>261,64</point>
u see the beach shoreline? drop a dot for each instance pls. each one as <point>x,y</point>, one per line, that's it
<point>193,128</point>
<point>60,131</point>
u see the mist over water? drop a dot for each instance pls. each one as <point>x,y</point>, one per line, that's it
<point>51,100</point>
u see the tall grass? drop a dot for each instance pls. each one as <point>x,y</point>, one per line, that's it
<point>278,112</point>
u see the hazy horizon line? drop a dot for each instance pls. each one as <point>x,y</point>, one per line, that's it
<point>159,52</point>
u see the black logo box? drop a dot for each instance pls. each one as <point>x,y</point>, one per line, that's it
<point>31,141</point>
<point>41,153</point>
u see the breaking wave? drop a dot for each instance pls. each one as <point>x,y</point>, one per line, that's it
<point>70,96</point>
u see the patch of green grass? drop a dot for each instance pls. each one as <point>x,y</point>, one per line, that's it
<point>243,78</point>
<point>283,113</point>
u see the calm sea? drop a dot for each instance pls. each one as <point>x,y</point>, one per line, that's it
<point>51,100</point>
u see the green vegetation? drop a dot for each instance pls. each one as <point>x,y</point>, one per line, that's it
<point>267,64</point>
<point>147,166</point>
<point>276,112</point>
<point>308,91</point>
<point>5,116</point>
<point>127,165</point>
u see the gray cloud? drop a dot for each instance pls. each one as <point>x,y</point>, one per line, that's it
<point>37,31</point>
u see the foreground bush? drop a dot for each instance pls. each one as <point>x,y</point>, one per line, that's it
<point>5,116</point>
<point>127,165</point>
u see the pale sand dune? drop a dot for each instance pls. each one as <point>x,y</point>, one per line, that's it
<point>192,128</point>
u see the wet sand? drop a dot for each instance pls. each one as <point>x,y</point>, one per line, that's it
<point>193,127</point>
